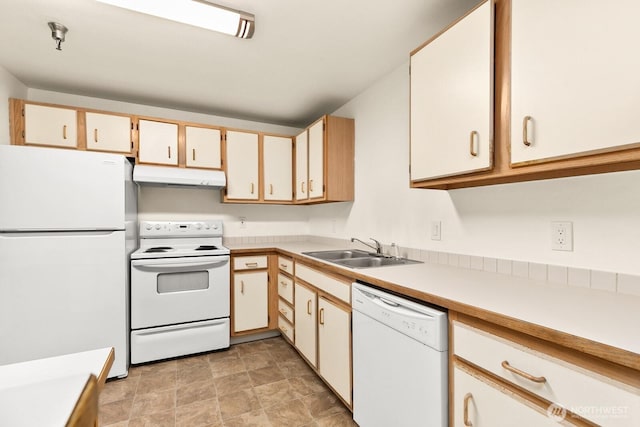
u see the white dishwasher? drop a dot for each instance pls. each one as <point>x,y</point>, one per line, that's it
<point>399,361</point>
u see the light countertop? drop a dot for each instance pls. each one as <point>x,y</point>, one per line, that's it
<point>599,316</point>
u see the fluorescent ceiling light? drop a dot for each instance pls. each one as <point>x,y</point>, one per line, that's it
<point>199,13</point>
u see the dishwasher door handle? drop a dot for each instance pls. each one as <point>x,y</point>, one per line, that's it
<point>399,309</point>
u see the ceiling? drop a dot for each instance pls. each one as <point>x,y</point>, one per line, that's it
<point>306,58</point>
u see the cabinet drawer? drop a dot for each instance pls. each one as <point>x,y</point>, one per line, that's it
<point>285,287</point>
<point>328,284</point>
<point>558,381</point>
<point>285,264</point>
<point>285,327</point>
<point>250,262</point>
<point>285,310</point>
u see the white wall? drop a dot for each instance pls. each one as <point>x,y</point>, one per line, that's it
<point>10,87</point>
<point>173,203</point>
<point>506,221</point>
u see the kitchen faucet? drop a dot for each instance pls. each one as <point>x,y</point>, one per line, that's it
<point>377,247</point>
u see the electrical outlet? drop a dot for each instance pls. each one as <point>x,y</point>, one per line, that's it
<point>243,222</point>
<point>436,230</point>
<point>561,236</point>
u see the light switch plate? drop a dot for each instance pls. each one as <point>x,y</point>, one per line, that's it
<point>436,230</point>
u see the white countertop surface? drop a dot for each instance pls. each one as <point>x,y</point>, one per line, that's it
<point>600,316</point>
<point>44,392</point>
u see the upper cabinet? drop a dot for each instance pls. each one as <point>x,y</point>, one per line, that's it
<point>574,87</point>
<point>108,132</point>
<point>278,168</point>
<point>325,161</point>
<point>452,99</point>
<point>44,125</point>
<point>157,142</point>
<point>243,175</point>
<point>202,146</point>
<point>564,101</point>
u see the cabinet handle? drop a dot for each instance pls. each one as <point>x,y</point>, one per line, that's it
<point>169,151</point>
<point>322,316</point>
<point>193,154</point>
<point>284,328</point>
<point>525,130</point>
<point>283,311</point>
<point>252,188</point>
<point>64,132</point>
<point>302,187</point>
<point>505,365</point>
<point>283,266</point>
<point>95,135</point>
<point>465,420</point>
<point>472,150</point>
<point>270,188</point>
<point>251,264</point>
<point>283,283</point>
<point>242,287</point>
<point>309,307</point>
<point>310,186</point>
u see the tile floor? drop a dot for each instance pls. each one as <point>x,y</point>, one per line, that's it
<point>261,383</point>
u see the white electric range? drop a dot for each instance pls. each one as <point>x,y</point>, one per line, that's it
<point>180,296</point>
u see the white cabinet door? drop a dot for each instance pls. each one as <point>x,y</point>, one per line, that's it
<point>242,165</point>
<point>107,132</point>
<point>574,78</point>
<point>202,147</point>
<point>305,315</point>
<point>50,126</point>
<point>452,99</point>
<point>157,142</point>
<point>486,405</point>
<point>316,160</point>
<point>334,347</point>
<point>302,166</point>
<point>250,301</point>
<point>278,168</point>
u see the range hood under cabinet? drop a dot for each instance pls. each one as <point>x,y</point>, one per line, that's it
<point>181,177</point>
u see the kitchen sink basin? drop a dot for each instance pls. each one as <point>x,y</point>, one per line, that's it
<point>338,254</point>
<point>374,261</point>
<point>355,258</point>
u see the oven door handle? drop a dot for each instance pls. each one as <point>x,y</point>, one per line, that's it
<point>179,265</point>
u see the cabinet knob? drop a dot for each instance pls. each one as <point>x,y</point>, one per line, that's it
<point>302,187</point>
<point>193,154</point>
<point>95,135</point>
<point>169,151</point>
<point>310,186</point>
<point>321,316</point>
<point>309,307</point>
<point>242,287</point>
<point>64,132</point>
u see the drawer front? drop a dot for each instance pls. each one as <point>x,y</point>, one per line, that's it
<point>285,264</point>
<point>285,310</point>
<point>328,284</point>
<point>285,327</point>
<point>285,287</point>
<point>250,262</point>
<point>573,387</point>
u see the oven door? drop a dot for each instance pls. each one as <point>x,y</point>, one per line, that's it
<point>169,291</point>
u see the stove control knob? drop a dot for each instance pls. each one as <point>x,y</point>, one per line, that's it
<point>207,226</point>
<point>198,226</point>
<point>158,226</point>
<point>148,226</point>
<point>214,226</point>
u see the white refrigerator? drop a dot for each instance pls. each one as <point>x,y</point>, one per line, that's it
<point>67,229</point>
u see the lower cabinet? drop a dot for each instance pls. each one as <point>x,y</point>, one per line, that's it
<point>250,301</point>
<point>334,346</point>
<point>305,315</point>
<point>479,402</point>
<point>250,293</point>
<point>323,327</point>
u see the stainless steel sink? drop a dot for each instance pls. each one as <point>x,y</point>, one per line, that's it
<point>373,261</point>
<point>338,254</point>
<point>355,258</point>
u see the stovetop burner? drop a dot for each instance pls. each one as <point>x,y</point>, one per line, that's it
<point>159,249</point>
<point>206,248</point>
